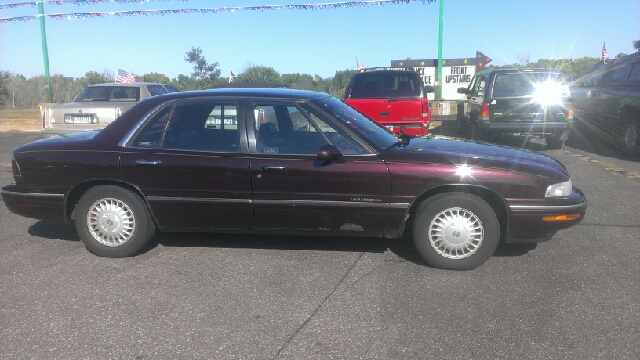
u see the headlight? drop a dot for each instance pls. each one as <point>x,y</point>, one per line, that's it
<point>562,189</point>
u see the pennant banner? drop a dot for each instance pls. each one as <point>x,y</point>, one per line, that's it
<point>323,6</point>
<point>75,2</point>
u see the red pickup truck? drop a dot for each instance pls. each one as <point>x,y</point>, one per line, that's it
<point>396,99</point>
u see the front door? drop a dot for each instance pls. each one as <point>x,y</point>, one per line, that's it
<point>294,190</point>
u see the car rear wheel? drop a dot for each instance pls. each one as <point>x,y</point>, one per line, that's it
<point>113,221</point>
<point>455,231</point>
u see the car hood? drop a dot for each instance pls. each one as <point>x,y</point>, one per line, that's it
<point>452,151</point>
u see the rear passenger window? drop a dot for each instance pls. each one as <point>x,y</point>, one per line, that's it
<point>201,126</point>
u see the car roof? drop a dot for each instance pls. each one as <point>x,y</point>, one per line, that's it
<point>238,85</point>
<point>522,70</point>
<point>284,93</point>
<point>390,71</point>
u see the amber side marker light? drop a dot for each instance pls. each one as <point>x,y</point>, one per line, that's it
<point>561,218</point>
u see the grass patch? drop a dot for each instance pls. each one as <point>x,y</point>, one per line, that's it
<point>19,114</point>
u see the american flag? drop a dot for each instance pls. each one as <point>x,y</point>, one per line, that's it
<point>360,66</point>
<point>604,53</point>
<point>125,77</point>
<point>231,77</point>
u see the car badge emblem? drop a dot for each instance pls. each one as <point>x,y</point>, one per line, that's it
<point>80,111</point>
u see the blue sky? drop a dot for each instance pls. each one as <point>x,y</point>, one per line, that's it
<point>312,42</point>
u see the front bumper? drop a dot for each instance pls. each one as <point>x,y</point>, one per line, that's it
<point>526,219</point>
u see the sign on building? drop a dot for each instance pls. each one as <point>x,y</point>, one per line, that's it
<point>456,73</point>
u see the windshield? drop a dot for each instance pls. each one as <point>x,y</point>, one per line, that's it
<point>379,136</point>
<point>109,93</point>
<point>386,84</point>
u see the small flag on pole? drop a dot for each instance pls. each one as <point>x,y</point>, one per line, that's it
<point>125,77</point>
<point>231,77</point>
<point>360,66</point>
<point>604,52</point>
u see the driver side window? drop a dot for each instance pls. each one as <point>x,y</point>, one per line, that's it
<point>297,129</point>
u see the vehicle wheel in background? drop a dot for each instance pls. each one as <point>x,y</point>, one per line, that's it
<point>553,142</point>
<point>113,221</point>
<point>455,231</point>
<point>631,136</point>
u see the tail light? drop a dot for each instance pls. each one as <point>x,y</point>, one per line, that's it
<point>15,168</point>
<point>570,112</point>
<point>484,112</point>
<point>44,122</point>
<point>261,116</point>
<point>426,111</point>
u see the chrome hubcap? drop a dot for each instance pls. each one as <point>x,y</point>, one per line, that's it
<point>456,233</point>
<point>111,222</point>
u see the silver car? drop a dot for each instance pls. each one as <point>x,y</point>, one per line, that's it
<point>97,106</point>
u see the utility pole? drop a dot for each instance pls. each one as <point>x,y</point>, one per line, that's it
<point>45,51</point>
<point>439,77</point>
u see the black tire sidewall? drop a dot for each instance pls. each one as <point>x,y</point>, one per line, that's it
<point>427,211</point>
<point>142,232</point>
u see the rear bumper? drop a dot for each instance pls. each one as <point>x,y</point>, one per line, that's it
<point>41,206</point>
<point>525,127</point>
<point>527,224</point>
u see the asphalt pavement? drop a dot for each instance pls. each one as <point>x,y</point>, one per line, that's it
<point>208,296</point>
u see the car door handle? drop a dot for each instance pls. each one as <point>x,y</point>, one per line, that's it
<point>145,162</point>
<point>384,113</point>
<point>273,168</point>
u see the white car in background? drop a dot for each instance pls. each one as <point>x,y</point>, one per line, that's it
<point>97,106</point>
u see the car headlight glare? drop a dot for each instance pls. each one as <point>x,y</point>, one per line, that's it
<point>562,189</point>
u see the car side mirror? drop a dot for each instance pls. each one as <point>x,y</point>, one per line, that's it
<point>429,89</point>
<point>331,154</point>
<point>463,90</point>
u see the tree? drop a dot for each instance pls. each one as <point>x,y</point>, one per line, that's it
<point>636,45</point>
<point>4,90</point>
<point>206,75</point>
<point>93,77</point>
<point>259,74</point>
<point>156,78</point>
<point>183,83</point>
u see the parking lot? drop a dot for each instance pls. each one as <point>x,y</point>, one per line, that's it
<point>209,296</point>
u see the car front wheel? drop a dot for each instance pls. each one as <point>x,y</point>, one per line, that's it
<point>455,231</point>
<point>113,221</point>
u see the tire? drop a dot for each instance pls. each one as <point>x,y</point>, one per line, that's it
<point>460,123</point>
<point>113,222</point>
<point>631,136</point>
<point>455,231</point>
<point>554,143</point>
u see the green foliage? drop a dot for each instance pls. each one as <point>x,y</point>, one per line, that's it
<point>93,77</point>
<point>4,89</point>
<point>156,78</point>
<point>636,45</point>
<point>206,75</point>
<point>574,69</point>
<point>259,74</point>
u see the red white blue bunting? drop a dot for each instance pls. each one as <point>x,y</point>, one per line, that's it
<point>85,15</point>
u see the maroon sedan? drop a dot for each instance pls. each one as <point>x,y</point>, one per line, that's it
<point>284,161</point>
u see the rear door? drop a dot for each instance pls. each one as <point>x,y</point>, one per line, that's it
<point>192,166</point>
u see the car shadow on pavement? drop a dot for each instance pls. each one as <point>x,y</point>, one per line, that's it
<point>403,247</point>
<point>54,231</point>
